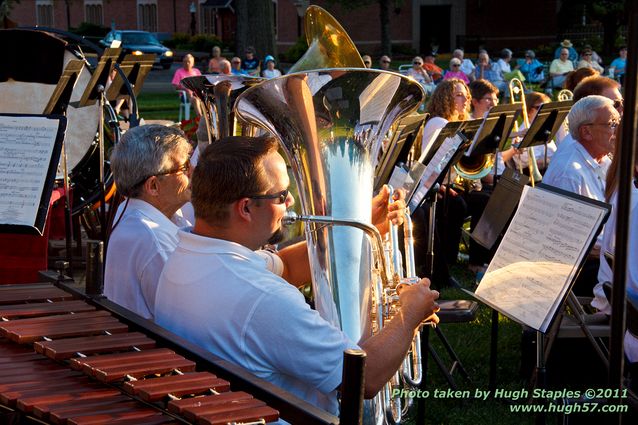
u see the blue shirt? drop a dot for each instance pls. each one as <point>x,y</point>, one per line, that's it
<point>619,66</point>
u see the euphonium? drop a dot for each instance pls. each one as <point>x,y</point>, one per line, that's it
<point>517,95</point>
<point>331,124</point>
<point>564,94</point>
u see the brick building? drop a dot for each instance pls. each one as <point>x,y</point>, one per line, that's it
<point>417,24</point>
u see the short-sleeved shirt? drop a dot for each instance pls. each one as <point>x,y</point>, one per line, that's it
<point>138,248</point>
<point>219,295</point>
<point>619,65</point>
<point>181,73</point>
<point>559,67</point>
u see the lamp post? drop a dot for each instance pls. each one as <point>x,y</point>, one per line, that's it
<point>192,9</point>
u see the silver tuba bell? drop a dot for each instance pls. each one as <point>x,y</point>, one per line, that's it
<point>331,125</point>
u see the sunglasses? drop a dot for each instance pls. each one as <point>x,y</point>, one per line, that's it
<point>417,63</point>
<point>619,103</point>
<point>455,65</point>
<point>385,61</point>
<point>279,196</point>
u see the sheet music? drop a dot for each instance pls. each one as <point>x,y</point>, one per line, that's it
<point>539,255</point>
<point>26,146</point>
<point>433,170</point>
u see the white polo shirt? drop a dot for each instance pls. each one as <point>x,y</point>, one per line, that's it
<point>220,296</point>
<point>136,253</point>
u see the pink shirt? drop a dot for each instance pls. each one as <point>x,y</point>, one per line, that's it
<point>456,74</point>
<point>182,73</point>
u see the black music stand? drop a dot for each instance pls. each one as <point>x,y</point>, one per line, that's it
<point>548,120</point>
<point>131,73</point>
<point>399,147</point>
<point>25,207</point>
<point>58,104</point>
<point>492,135</point>
<point>94,92</point>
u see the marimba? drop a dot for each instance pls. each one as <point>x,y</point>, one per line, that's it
<point>65,360</point>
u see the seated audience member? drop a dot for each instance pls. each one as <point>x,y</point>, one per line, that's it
<point>384,63</point>
<point>572,54</point>
<point>235,308</point>
<point>213,63</point>
<point>618,65</point>
<point>455,72</point>
<point>251,63</point>
<point>236,69</point>
<point>225,68</point>
<point>486,70</point>
<point>586,61</point>
<point>431,67</point>
<point>581,166</point>
<point>420,75</point>
<point>367,61</point>
<point>594,56</point>
<point>187,70</point>
<point>270,71</point>
<point>467,67</point>
<point>151,168</point>
<point>559,68</point>
<point>531,68</point>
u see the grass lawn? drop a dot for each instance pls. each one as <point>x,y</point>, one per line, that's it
<point>159,106</point>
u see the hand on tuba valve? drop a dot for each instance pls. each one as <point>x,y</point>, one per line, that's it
<point>384,212</point>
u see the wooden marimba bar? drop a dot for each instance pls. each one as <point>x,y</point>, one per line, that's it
<point>64,361</point>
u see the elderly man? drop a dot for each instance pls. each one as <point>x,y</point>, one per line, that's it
<point>151,167</point>
<point>235,308</point>
<point>581,166</point>
<point>384,63</point>
<point>559,68</point>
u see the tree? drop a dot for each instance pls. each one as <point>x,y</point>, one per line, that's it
<point>255,26</point>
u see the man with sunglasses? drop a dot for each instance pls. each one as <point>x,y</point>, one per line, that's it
<point>217,293</point>
<point>151,168</point>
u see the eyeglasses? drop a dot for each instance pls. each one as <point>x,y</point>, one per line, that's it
<point>279,196</point>
<point>455,65</point>
<point>385,62</point>
<point>587,54</point>
<point>417,63</point>
<point>490,99</point>
<point>619,103</point>
<point>612,125</point>
<point>184,168</point>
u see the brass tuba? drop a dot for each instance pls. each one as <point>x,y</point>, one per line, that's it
<point>331,125</point>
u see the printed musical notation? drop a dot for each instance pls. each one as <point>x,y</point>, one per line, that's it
<point>26,146</point>
<point>539,256</point>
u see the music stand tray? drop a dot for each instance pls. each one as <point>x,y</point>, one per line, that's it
<point>548,120</point>
<point>61,96</point>
<point>99,76</point>
<point>135,69</point>
<point>492,134</point>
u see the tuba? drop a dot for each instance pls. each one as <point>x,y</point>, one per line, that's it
<point>330,124</point>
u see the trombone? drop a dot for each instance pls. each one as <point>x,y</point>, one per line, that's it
<point>517,95</point>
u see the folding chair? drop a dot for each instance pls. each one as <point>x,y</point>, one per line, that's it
<point>184,106</point>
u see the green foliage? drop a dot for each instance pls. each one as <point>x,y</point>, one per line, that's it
<point>296,51</point>
<point>403,50</point>
<point>88,29</point>
<point>197,43</point>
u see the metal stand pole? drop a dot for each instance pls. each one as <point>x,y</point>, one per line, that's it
<point>68,214</point>
<point>352,387</point>
<point>102,188</point>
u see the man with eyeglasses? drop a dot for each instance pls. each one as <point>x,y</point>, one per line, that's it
<point>559,68</point>
<point>581,167</point>
<point>217,293</point>
<point>151,168</point>
<point>384,63</point>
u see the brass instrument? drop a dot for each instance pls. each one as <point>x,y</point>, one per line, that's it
<point>564,95</point>
<point>517,95</point>
<point>331,125</point>
<point>329,45</point>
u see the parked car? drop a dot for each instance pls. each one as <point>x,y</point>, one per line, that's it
<point>139,42</point>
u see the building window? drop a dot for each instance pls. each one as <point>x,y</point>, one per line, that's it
<point>93,12</point>
<point>147,15</point>
<point>274,16</point>
<point>208,20</point>
<point>44,13</point>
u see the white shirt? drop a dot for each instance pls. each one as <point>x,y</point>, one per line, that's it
<point>137,251</point>
<point>220,296</point>
<point>575,170</point>
<point>467,67</point>
<point>431,130</point>
<point>267,73</point>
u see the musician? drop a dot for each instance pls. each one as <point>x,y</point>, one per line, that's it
<point>581,166</point>
<point>215,292</point>
<point>151,168</point>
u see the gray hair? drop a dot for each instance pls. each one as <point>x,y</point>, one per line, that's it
<point>458,53</point>
<point>506,53</point>
<point>143,152</point>
<point>530,53</point>
<point>585,111</point>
